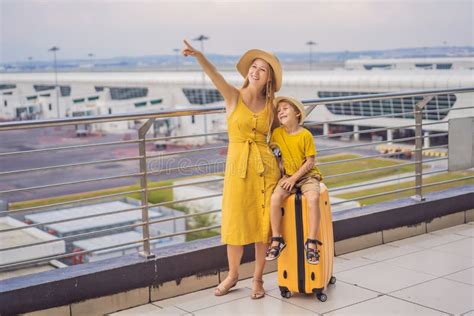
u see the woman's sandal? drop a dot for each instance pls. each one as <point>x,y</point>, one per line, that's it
<point>257,294</point>
<point>223,290</point>
<point>312,255</point>
<point>275,251</point>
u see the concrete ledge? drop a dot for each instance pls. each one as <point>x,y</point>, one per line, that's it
<point>469,216</point>
<point>111,303</point>
<point>357,243</point>
<point>56,311</point>
<point>393,234</point>
<point>73,285</point>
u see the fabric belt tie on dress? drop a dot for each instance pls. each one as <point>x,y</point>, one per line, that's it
<point>244,158</point>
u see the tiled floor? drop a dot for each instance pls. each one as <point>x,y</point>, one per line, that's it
<point>430,274</point>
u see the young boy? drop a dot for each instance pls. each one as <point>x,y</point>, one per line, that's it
<point>298,156</point>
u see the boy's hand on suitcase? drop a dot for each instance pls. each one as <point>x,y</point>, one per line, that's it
<point>288,184</point>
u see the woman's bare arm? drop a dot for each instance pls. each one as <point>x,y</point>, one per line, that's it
<point>228,91</point>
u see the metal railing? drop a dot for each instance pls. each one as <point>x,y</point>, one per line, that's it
<point>144,173</point>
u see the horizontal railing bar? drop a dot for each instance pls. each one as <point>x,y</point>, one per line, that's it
<point>370,183</point>
<point>73,182</point>
<point>88,234</point>
<point>183,185</point>
<point>364,131</point>
<point>67,255</point>
<point>184,200</point>
<point>435,123</point>
<point>35,151</point>
<point>69,202</point>
<point>424,110</point>
<point>374,195</point>
<point>398,140</point>
<point>361,118</point>
<point>447,181</point>
<point>385,181</point>
<point>436,171</point>
<point>184,167</point>
<point>434,159</point>
<point>167,219</point>
<point>435,147</point>
<point>184,152</point>
<point>70,219</point>
<point>369,144</point>
<point>185,232</point>
<point>369,170</point>
<point>197,110</point>
<point>81,164</point>
<point>201,110</point>
<point>185,136</point>
<point>402,190</point>
<point>361,158</point>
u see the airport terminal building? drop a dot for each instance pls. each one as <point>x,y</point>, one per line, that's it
<point>34,95</point>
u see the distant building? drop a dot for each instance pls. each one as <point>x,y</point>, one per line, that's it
<point>33,96</point>
<point>72,227</point>
<point>27,236</point>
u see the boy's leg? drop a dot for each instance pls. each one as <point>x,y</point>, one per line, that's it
<point>311,190</point>
<point>276,202</point>
<point>314,214</point>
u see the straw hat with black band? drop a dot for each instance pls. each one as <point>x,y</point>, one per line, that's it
<point>293,102</point>
<point>247,59</point>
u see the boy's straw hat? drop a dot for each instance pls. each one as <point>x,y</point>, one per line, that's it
<point>294,102</point>
<point>247,59</point>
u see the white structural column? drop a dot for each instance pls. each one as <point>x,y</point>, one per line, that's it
<point>325,129</point>
<point>426,140</point>
<point>389,136</point>
<point>356,134</point>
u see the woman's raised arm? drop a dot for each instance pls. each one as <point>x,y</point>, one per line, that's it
<point>228,91</point>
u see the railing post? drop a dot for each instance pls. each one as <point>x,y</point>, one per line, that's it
<point>144,187</point>
<point>419,148</point>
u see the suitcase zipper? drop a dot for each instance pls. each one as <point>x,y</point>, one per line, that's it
<point>300,242</point>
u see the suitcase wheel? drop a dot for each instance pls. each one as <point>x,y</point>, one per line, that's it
<point>322,297</point>
<point>285,293</point>
<point>332,280</point>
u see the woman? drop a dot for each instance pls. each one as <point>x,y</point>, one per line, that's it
<point>251,169</point>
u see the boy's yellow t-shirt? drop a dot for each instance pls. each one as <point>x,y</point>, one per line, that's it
<point>294,149</point>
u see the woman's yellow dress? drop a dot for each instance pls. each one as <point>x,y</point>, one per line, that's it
<point>251,174</point>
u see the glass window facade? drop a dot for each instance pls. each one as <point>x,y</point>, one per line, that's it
<point>7,86</point>
<point>127,93</point>
<point>436,109</point>
<point>65,91</point>
<point>202,96</point>
<point>39,87</point>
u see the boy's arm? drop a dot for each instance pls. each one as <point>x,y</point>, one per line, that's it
<point>307,166</point>
<point>290,182</point>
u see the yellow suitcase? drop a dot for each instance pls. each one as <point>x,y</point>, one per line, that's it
<point>294,273</point>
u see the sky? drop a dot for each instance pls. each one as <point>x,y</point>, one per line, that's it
<point>110,28</point>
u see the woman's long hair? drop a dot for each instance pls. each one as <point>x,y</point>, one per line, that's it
<point>269,93</point>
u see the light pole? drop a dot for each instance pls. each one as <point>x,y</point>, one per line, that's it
<point>91,56</point>
<point>203,38</point>
<point>54,49</point>
<point>30,63</point>
<point>176,51</point>
<point>311,44</point>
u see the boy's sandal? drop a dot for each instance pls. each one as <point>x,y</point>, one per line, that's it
<point>223,290</point>
<point>257,294</point>
<point>312,255</point>
<point>275,251</point>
